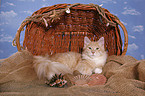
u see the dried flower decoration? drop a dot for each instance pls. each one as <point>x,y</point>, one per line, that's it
<point>57,81</point>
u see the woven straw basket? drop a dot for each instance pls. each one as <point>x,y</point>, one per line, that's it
<point>62,28</point>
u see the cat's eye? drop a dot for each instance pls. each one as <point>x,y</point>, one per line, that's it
<point>90,48</point>
<point>97,48</point>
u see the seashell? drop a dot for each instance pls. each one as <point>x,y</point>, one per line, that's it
<point>101,5</point>
<point>97,79</point>
<point>80,80</point>
<point>107,24</point>
<point>68,11</point>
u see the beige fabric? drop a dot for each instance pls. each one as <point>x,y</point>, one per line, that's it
<point>126,77</point>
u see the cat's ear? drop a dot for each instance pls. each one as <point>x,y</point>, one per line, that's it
<point>86,41</point>
<point>101,41</point>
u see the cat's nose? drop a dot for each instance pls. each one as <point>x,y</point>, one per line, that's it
<point>93,52</point>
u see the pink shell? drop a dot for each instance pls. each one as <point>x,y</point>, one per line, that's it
<point>97,79</point>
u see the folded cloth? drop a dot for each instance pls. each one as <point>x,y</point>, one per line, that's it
<point>125,77</point>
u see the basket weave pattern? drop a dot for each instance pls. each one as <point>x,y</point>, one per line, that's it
<point>66,31</point>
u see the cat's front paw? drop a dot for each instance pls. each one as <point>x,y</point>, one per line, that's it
<point>98,70</point>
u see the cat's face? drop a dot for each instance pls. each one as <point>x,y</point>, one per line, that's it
<point>93,49</point>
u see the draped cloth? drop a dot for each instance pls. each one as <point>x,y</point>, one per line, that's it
<point>125,77</point>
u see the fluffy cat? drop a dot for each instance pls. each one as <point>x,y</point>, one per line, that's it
<point>91,60</point>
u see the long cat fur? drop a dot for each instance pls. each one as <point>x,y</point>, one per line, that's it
<point>91,60</point>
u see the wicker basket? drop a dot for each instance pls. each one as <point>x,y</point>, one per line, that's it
<point>62,27</point>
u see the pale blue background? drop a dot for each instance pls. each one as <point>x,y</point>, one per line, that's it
<point>130,12</point>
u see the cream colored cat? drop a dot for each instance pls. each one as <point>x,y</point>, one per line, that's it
<point>91,60</point>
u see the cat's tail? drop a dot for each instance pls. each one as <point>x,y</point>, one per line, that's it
<point>46,68</point>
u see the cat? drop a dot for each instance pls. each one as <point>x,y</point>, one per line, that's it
<point>90,61</point>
